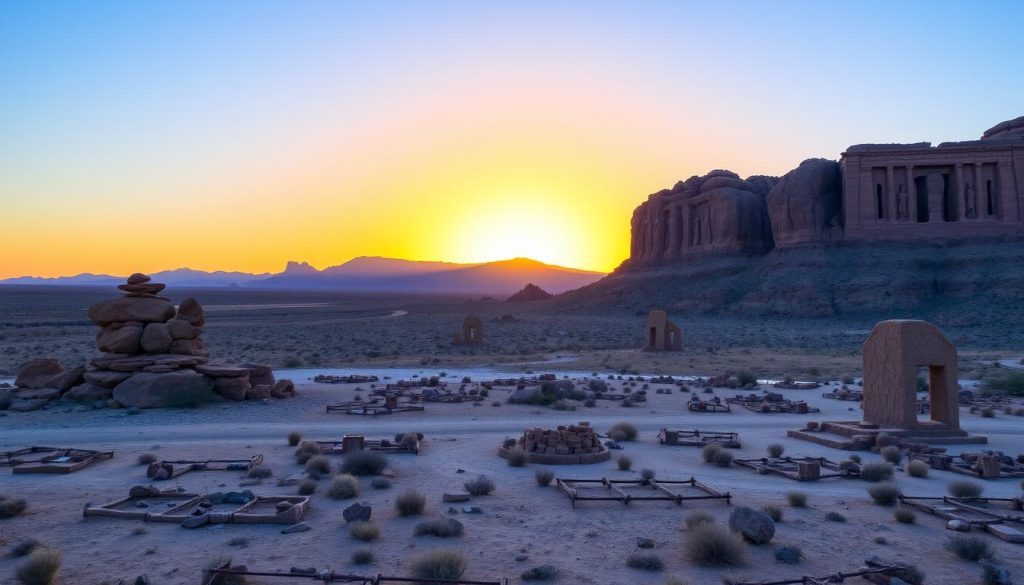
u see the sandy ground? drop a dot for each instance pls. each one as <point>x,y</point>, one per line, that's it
<point>588,544</point>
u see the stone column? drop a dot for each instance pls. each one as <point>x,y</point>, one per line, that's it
<point>958,191</point>
<point>672,246</point>
<point>982,191</point>
<point>888,195</point>
<point>686,228</point>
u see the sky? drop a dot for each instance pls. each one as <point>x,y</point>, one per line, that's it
<point>238,135</point>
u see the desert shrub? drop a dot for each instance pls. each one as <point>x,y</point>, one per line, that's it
<point>343,487</point>
<point>987,412</point>
<point>306,451</point>
<point>712,545</point>
<point>904,515</point>
<point>590,403</point>
<point>835,517</point>
<point>24,547</point>
<point>443,527</point>
<point>6,400</point>
<point>647,474</point>
<point>365,531</point>
<point>876,471</point>
<point>516,457</point>
<point>408,438</point>
<point>788,554</point>
<point>709,452</point>
<point>884,493</point>
<point>892,454</point>
<point>410,503</point>
<point>775,450</point>
<point>294,437</point>
<point>147,458</point>
<point>40,568</point>
<point>644,561</point>
<point>774,512</point>
<point>364,463</point>
<point>218,562</point>
<point>917,468</point>
<point>539,573</point>
<point>11,507</point>
<point>848,465</point>
<point>854,457</point>
<point>319,465</point>
<point>307,487</point>
<point>624,462</point>
<point>746,377</point>
<point>380,483</point>
<point>797,499</point>
<point>962,488</point>
<point>544,476</point>
<point>970,547</point>
<point>1011,383</point>
<point>439,564</point>
<point>622,431</point>
<point>363,556</point>
<point>992,574</point>
<point>260,472</point>
<point>723,458</point>
<point>481,486</point>
<point>562,405</point>
<point>698,517</point>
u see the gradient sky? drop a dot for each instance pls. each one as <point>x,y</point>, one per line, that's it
<point>139,136</point>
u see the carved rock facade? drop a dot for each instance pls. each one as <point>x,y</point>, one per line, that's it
<point>876,192</point>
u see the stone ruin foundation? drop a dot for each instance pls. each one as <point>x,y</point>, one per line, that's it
<point>892,355</point>
<point>151,356</point>
<point>662,334</point>
<point>565,445</point>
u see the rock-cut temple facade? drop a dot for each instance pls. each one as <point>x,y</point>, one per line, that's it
<point>875,192</point>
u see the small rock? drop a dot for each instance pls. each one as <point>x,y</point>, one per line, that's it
<point>958,525</point>
<point>757,527</point>
<point>295,528</point>
<point>357,513</point>
<point>456,497</point>
<point>472,510</point>
<point>195,521</point>
<point>787,555</point>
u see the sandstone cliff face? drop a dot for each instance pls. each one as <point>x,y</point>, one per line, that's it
<point>806,205</point>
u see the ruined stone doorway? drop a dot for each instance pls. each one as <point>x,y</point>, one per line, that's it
<point>921,186</point>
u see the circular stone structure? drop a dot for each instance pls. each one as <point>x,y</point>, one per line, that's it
<point>565,445</point>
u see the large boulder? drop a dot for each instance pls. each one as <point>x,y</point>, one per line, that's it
<point>156,338</point>
<point>106,378</point>
<point>154,390</point>
<point>38,373</point>
<point>182,329</point>
<point>68,378</point>
<point>283,389</point>
<point>806,207</point>
<point>141,309</point>
<point>188,347</point>
<point>232,388</point>
<point>260,375</point>
<point>190,310</point>
<point>756,527</point>
<point>87,393</point>
<point>120,338</point>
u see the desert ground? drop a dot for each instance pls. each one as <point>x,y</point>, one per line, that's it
<point>521,525</point>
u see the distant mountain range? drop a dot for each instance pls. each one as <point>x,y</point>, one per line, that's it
<point>365,274</point>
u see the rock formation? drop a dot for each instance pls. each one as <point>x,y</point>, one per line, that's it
<point>530,292</point>
<point>877,192</point>
<point>151,356</point>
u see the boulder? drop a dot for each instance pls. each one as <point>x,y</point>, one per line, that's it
<point>154,390</point>
<point>522,395</point>
<point>69,378</point>
<point>283,389</point>
<point>141,309</point>
<point>182,329</point>
<point>26,405</point>
<point>156,338</point>
<point>190,310</point>
<point>260,374</point>
<point>144,289</point>
<point>38,373</point>
<point>132,364</point>
<point>178,361</point>
<point>138,278</point>
<point>530,292</point>
<point>88,393</point>
<point>106,378</point>
<point>222,371</point>
<point>39,394</point>
<point>261,392</point>
<point>756,527</point>
<point>357,513</point>
<point>232,388</point>
<point>805,207</point>
<point>188,347</point>
<point>120,338</point>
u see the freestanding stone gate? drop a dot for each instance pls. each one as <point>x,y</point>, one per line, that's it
<point>892,357</point>
<point>472,332</point>
<point>662,334</point>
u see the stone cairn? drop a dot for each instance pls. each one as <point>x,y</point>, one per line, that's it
<point>151,356</point>
<point>572,444</point>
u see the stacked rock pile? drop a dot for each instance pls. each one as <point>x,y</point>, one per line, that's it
<point>563,445</point>
<point>151,356</point>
